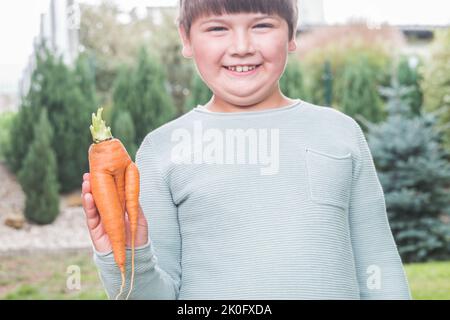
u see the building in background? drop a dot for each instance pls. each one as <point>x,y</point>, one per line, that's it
<point>417,38</point>
<point>59,28</point>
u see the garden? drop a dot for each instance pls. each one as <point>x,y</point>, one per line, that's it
<point>401,100</point>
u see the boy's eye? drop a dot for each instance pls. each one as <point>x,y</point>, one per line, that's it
<point>265,25</point>
<point>215,28</point>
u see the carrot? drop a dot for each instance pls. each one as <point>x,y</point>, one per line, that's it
<point>115,188</point>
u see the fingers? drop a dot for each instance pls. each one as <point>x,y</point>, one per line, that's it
<point>92,216</point>
<point>86,176</point>
<point>89,205</point>
<point>90,209</point>
<point>85,187</point>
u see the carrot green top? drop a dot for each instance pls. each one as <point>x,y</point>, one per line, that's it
<point>98,128</point>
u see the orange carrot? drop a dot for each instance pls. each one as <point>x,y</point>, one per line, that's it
<point>115,188</point>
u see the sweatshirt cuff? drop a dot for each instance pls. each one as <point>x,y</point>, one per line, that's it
<point>144,259</point>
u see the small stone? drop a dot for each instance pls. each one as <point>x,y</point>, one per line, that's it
<point>16,221</point>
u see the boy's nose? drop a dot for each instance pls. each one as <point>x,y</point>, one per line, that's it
<point>242,44</point>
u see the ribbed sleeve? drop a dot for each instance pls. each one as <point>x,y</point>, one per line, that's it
<point>378,264</point>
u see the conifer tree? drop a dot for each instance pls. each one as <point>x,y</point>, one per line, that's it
<point>38,175</point>
<point>151,103</point>
<point>124,131</point>
<point>414,174</point>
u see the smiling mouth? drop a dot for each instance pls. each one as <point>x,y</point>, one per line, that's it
<point>240,70</point>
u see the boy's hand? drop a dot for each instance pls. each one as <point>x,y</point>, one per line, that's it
<point>97,232</point>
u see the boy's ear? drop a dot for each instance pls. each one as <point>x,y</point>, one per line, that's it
<point>187,48</point>
<point>292,46</point>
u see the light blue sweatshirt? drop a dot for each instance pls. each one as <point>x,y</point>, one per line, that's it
<point>282,203</point>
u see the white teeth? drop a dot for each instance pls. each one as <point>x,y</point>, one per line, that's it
<point>242,69</point>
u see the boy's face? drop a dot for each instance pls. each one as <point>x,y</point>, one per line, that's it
<point>239,39</point>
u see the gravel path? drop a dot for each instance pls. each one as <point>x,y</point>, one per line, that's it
<point>12,199</point>
<point>67,232</point>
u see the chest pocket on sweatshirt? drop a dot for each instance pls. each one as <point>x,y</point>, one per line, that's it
<point>329,178</point>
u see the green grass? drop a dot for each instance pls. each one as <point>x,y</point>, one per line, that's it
<point>429,281</point>
<point>43,276</point>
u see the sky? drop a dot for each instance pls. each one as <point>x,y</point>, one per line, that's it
<point>392,11</point>
<point>19,22</point>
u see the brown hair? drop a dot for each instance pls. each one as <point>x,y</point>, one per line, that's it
<point>190,10</point>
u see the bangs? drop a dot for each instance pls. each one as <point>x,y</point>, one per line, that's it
<point>200,8</point>
<point>190,10</point>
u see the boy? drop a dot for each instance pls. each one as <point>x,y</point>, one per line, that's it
<point>254,195</point>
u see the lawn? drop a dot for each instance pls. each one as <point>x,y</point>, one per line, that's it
<point>429,281</point>
<point>44,276</point>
